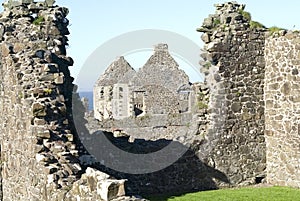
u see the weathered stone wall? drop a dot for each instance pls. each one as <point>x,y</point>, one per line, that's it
<point>234,67</point>
<point>161,69</point>
<point>39,157</point>
<point>282,110</point>
<point>159,87</point>
<point>36,139</point>
<point>120,72</point>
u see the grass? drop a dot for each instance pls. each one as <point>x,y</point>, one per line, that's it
<point>274,29</point>
<point>207,65</point>
<point>241,194</point>
<point>255,25</point>
<point>39,20</point>
<point>216,22</point>
<point>202,105</point>
<point>245,14</point>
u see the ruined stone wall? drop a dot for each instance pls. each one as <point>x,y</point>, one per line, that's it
<point>234,68</point>
<point>39,153</point>
<point>39,157</point>
<point>119,72</point>
<point>162,70</point>
<point>282,110</point>
<point>36,139</point>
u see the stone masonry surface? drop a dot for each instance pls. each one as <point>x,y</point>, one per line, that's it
<point>234,66</point>
<point>39,157</point>
<point>282,111</point>
<point>247,123</point>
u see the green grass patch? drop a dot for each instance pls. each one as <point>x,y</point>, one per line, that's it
<point>255,25</point>
<point>207,65</point>
<point>274,29</point>
<point>245,14</point>
<point>202,105</point>
<point>39,20</point>
<point>216,22</point>
<point>241,194</point>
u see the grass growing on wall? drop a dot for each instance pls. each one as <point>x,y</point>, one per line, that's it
<point>274,29</point>
<point>255,24</point>
<point>245,14</point>
<point>241,194</point>
<point>39,20</point>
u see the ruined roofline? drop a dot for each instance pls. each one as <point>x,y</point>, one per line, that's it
<point>161,47</point>
<point>161,56</point>
<point>120,67</point>
<point>114,72</point>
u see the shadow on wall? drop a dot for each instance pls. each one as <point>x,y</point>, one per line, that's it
<point>187,174</point>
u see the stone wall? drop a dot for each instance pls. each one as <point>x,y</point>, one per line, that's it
<point>39,157</point>
<point>251,82</point>
<point>159,87</point>
<point>282,111</point>
<point>233,62</point>
<point>36,139</point>
<point>119,72</point>
<point>161,69</point>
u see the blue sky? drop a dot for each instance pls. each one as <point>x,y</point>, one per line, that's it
<point>94,22</point>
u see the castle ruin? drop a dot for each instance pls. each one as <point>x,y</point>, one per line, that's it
<point>157,88</point>
<point>248,133</point>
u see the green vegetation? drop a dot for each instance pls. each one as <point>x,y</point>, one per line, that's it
<point>48,91</point>
<point>296,31</point>
<point>274,29</point>
<point>255,25</point>
<point>242,194</point>
<point>20,95</point>
<point>201,95</point>
<point>39,20</point>
<point>245,14</point>
<point>216,22</point>
<point>188,124</point>
<point>202,105</point>
<point>144,117</point>
<point>239,93</point>
<point>207,65</point>
<point>2,162</point>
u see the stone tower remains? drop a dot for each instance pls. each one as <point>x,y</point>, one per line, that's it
<point>254,71</point>
<point>234,65</point>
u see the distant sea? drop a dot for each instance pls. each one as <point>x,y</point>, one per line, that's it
<point>88,95</point>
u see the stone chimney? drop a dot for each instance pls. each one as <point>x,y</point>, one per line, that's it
<point>161,47</point>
